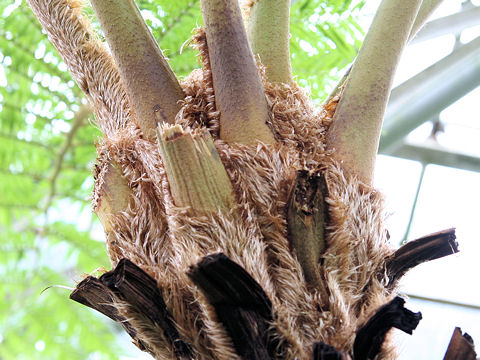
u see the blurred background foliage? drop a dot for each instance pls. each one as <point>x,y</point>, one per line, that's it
<point>48,234</point>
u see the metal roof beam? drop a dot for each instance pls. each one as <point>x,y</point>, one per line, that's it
<point>452,24</point>
<point>436,154</point>
<point>425,95</point>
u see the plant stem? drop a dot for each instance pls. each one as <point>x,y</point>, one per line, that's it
<point>355,131</point>
<point>150,83</point>
<point>306,219</point>
<point>88,60</point>
<point>339,87</point>
<point>113,196</point>
<point>269,35</point>
<point>426,9</point>
<point>195,173</point>
<point>239,92</point>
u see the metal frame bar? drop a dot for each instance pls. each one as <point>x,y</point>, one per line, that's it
<point>438,155</point>
<point>452,24</point>
<point>425,95</point>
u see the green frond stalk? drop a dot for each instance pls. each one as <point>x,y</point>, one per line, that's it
<point>426,9</point>
<point>150,83</point>
<point>239,92</point>
<point>269,35</point>
<point>355,131</point>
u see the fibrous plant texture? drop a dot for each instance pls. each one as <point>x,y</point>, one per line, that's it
<point>241,221</point>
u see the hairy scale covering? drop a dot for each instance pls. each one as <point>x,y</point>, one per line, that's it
<point>166,240</point>
<point>87,59</point>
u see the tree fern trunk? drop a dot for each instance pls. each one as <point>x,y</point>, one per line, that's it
<point>225,247</point>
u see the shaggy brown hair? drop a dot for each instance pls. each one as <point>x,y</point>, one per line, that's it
<point>165,240</point>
